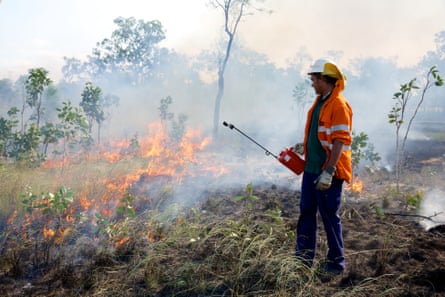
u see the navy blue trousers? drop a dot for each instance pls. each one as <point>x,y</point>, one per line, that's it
<point>328,204</point>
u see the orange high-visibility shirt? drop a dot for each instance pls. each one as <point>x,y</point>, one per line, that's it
<point>335,123</point>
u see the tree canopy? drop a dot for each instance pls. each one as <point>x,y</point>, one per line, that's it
<point>130,54</point>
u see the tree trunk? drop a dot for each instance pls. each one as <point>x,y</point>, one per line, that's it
<point>218,99</point>
<point>38,109</point>
<point>230,31</point>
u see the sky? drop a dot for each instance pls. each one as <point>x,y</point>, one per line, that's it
<point>39,33</point>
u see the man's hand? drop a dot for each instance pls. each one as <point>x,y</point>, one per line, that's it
<point>324,181</point>
<point>299,148</point>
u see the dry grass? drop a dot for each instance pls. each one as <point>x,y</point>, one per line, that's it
<point>218,247</point>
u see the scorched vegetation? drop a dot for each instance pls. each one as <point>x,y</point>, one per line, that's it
<point>108,228</point>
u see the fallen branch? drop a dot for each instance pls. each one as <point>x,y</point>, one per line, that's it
<point>416,216</point>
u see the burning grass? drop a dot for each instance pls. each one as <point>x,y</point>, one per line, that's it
<point>175,252</point>
<point>124,226</point>
<point>219,248</point>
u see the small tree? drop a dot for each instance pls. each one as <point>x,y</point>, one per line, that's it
<point>248,197</point>
<point>177,126</point>
<point>73,125</point>
<point>91,105</point>
<point>301,93</point>
<point>398,112</point>
<point>7,130</point>
<point>35,85</point>
<point>50,134</point>
<point>164,114</point>
<point>26,146</point>
<point>362,150</point>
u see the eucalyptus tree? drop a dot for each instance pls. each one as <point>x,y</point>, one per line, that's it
<point>233,11</point>
<point>131,52</point>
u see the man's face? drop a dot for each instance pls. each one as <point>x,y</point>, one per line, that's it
<point>317,84</point>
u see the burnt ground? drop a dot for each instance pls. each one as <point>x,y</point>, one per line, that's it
<point>388,252</point>
<point>387,255</point>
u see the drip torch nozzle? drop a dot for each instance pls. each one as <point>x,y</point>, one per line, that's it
<point>228,125</point>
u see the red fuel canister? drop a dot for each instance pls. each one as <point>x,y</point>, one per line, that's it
<point>292,161</point>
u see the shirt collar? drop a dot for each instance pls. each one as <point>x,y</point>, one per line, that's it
<point>324,97</point>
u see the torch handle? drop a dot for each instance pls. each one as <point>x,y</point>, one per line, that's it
<point>231,126</point>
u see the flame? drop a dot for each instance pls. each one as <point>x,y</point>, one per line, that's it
<point>60,236</point>
<point>85,202</point>
<point>356,185</point>
<point>112,157</point>
<point>156,155</point>
<point>122,242</point>
<point>48,233</point>
<point>70,218</point>
<point>11,219</point>
<point>54,163</point>
<point>154,237</point>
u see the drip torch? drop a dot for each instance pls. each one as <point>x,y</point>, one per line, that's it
<point>287,157</point>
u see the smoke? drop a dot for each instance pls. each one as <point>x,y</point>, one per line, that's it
<point>258,99</point>
<point>433,207</point>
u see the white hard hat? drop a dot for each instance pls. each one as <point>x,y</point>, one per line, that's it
<point>318,66</point>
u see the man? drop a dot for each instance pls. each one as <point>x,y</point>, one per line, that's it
<point>327,154</point>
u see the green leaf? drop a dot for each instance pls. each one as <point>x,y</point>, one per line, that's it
<point>69,199</point>
<point>254,198</point>
<point>239,198</point>
<point>379,211</point>
<point>131,213</point>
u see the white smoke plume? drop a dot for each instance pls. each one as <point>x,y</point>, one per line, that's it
<point>433,207</point>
